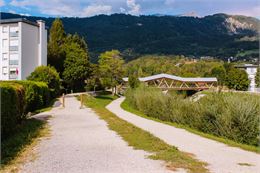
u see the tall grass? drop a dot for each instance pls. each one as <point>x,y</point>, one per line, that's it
<point>233,116</point>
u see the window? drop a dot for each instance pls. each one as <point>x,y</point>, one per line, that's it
<point>13,42</point>
<point>13,72</point>
<point>5,70</point>
<point>5,56</point>
<point>5,29</point>
<point>13,45</point>
<point>13,59</point>
<point>5,42</point>
<point>14,29</point>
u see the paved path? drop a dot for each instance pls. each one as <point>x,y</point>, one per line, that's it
<point>221,158</point>
<point>80,142</point>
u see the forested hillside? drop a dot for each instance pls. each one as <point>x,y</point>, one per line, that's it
<point>177,65</point>
<point>219,35</point>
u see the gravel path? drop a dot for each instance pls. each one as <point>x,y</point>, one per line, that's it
<point>221,158</point>
<point>80,142</point>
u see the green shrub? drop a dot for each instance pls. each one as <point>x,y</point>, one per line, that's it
<point>17,99</point>
<point>48,75</point>
<point>133,81</point>
<point>37,94</point>
<point>12,107</point>
<point>237,79</point>
<point>234,116</point>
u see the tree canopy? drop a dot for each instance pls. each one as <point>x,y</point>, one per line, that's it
<point>220,73</point>
<point>111,68</point>
<point>176,65</point>
<point>76,66</point>
<point>49,75</point>
<point>237,79</point>
<point>133,81</point>
<point>57,38</point>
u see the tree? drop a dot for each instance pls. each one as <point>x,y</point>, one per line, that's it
<point>257,77</point>
<point>77,39</point>
<point>49,75</point>
<point>76,66</point>
<point>220,73</point>
<point>133,81</point>
<point>94,81</point>
<point>57,38</point>
<point>111,68</point>
<point>228,66</point>
<point>237,79</point>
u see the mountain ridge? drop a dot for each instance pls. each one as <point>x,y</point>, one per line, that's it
<point>219,35</point>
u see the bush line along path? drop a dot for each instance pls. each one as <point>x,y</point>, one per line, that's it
<point>220,157</point>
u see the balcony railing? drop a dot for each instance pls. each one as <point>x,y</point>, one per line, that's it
<point>13,76</point>
<point>14,34</point>
<point>13,48</point>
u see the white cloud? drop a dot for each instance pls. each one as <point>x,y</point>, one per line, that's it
<point>54,7</point>
<point>23,14</point>
<point>134,7</point>
<point>122,10</point>
<point>92,10</point>
<point>64,7</point>
<point>2,3</point>
<point>19,3</point>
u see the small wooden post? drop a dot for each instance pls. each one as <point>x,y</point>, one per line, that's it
<point>81,101</point>
<point>63,100</point>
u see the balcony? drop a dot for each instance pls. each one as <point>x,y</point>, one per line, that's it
<point>13,34</point>
<point>13,76</point>
<point>13,48</point>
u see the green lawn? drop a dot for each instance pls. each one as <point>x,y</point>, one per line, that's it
<point>128,108</point>
<point>140,139</point>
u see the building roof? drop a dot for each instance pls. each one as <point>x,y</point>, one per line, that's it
<point>16,20</point>
<point>183,79</point>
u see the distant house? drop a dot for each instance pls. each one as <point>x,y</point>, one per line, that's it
<point>23,47</point>
<point>251,72</point>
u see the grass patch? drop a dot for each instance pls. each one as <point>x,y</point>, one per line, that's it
<point>16,147</point>
<point>140,139</point>
<point>126,106</point>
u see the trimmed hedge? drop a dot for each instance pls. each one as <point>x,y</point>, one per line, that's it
<point>17,99</point>
<point>37,94</point>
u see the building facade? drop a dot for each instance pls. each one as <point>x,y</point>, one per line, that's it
<point>23,47</point>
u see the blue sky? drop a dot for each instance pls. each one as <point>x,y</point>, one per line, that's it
<point>86,8</point>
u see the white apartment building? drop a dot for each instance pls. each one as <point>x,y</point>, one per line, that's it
<point>23,47</point>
